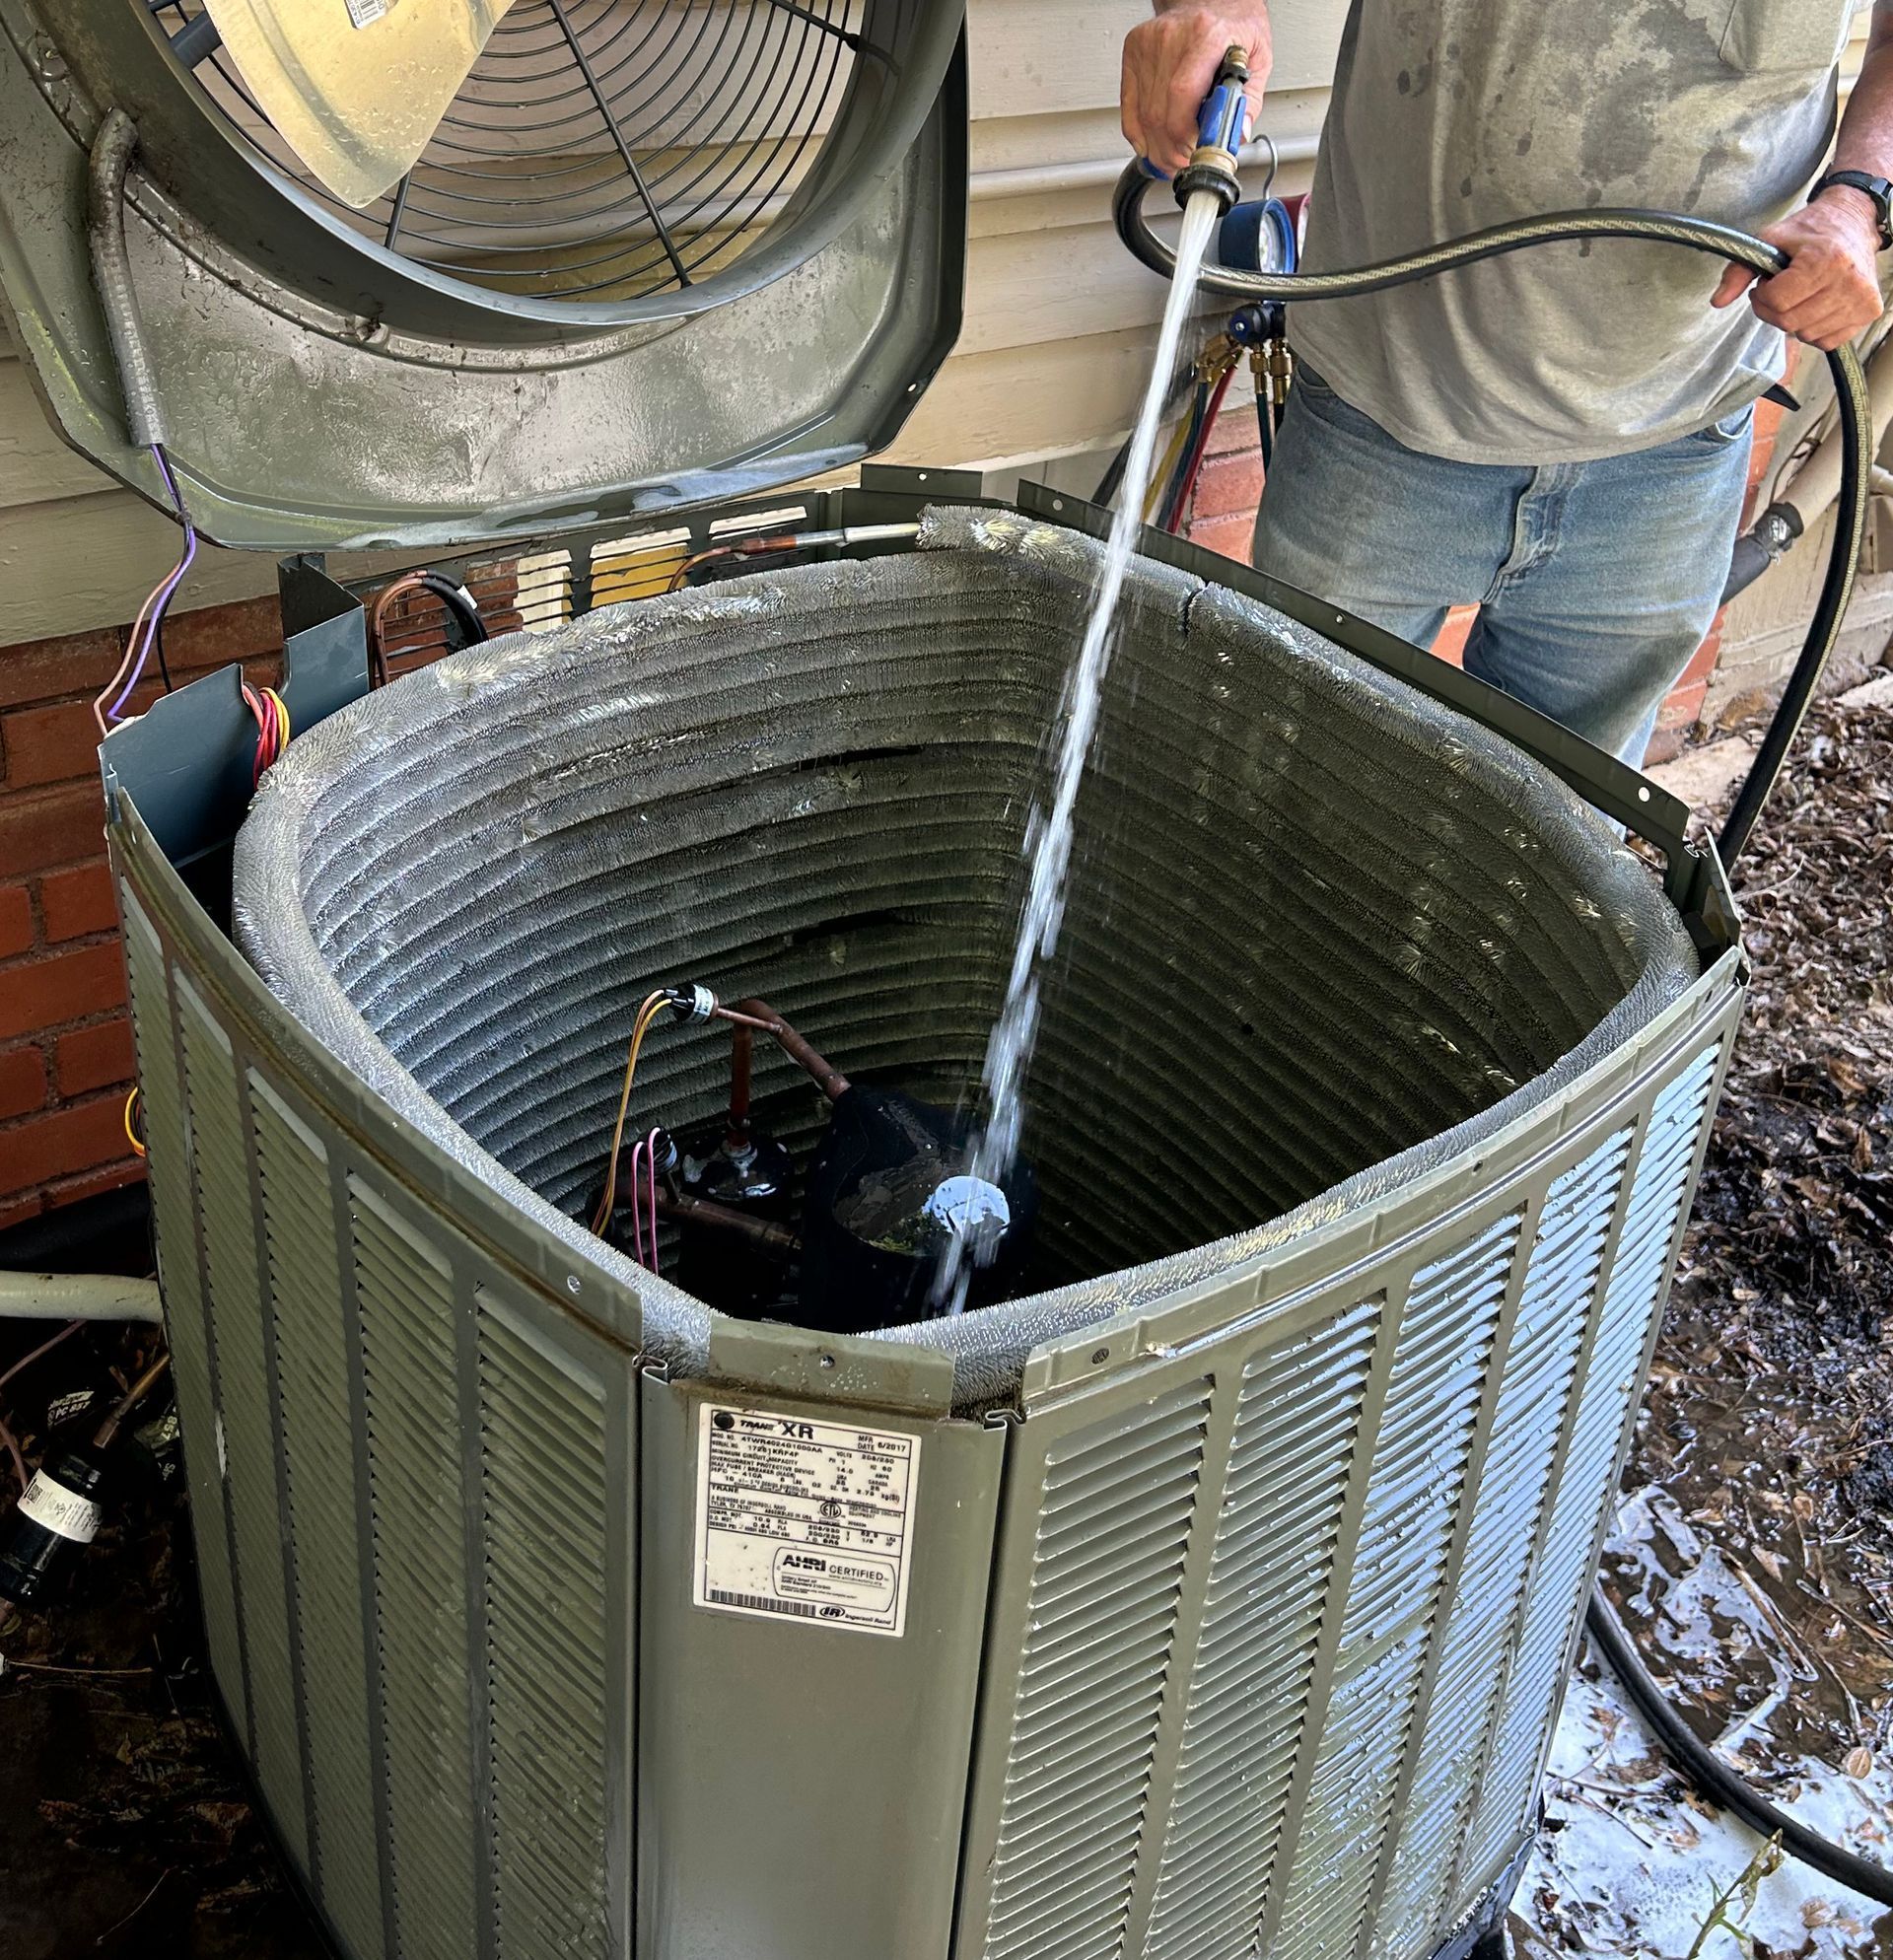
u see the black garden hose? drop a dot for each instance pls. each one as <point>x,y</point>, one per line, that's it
<point>1702,1769</point>
<point>1708,1773</point>
<point>1721,242</point>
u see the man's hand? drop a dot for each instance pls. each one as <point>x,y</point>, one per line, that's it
<point>1169,66</point>
<point>1830,288</point>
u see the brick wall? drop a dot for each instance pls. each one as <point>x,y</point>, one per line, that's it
<point>65,1044</point>
<point>1229,489</point>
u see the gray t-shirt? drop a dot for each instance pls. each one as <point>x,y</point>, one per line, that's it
<point>1450,114</point>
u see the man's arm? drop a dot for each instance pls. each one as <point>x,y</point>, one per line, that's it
<point>1169,66</point>
<point>1831,288</point>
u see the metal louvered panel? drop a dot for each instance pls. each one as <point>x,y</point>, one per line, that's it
<point>1675,1133</point>
<point>405,1294</point>
<point>1541,1356</point>
<point>308,1304</point>
<point>547,1499</point>
<point>1113,1528</point>
<point>1415,1493</point>
<point>167,1138</point>
<point>1298,1418</point>
<point>241,1368</point>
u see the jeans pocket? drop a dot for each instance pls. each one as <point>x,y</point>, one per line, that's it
<point>1785,36</point>
<point>1730,429</point>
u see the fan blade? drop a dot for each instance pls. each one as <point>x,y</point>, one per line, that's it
<point>356,88</point>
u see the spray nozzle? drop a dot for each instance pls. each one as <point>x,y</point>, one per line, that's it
<point>1221,123</point>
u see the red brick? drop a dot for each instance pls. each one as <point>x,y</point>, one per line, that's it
<point>1227,484</point>
<point>77,901</point>
<point>1666,745</point>
<point>23,1082</point>
<point>66,987</point>
<point>1229,536</point>
<point>15,920</point>
<point>217,635</point>
<point>56,744</point>
<point>12,1214</point>
<point>1760,451</point>
<point>49,827</point>
<point>1702,663</point>
<point>1451,643</point>
<point>69,1190</point>
<point>1236,427</point>
<point>59,1143</point>
<point>93,1058</point>
<point>1684,705</point>
<point>47,670</point>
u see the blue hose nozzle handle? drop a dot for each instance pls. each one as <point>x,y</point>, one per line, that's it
<point>1221,125</point>
<point>1223,122</point>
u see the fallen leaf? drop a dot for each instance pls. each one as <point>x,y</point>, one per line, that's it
<point>1858,1764</point>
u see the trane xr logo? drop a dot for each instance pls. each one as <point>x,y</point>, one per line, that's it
<point>786,1426</point>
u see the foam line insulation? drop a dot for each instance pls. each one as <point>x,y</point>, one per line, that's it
<point>1323,934</point>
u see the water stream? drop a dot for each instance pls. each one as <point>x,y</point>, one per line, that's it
<point>1048,836</point>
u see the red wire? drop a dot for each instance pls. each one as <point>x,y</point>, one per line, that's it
<point>1197,455</point>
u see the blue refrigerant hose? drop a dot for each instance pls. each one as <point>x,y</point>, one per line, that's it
<point>1213,169</point>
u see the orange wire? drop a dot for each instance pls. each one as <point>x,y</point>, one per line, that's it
<point>646,1013</point>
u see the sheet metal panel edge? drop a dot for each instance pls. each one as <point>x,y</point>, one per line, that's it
<point>1127,1407</point>
<point>801,1779</point>
<point>482,1415</point>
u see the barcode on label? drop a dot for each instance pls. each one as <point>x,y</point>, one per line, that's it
<point>751,1602</point>
<point>364,13</point>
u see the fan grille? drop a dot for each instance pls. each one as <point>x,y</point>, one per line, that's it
<point>600,150</point>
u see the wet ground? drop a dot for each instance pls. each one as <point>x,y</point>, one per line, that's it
<point>1752,1556</point>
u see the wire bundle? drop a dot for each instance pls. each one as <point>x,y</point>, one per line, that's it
<point>273,726</point>
<point>644,1201</point>
<point>654,1005</point>
<point>135,1122</point>
<point>1206,406</point>
<point>147,630</point>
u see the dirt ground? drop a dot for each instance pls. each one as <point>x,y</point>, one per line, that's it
<point>1753,1555</point>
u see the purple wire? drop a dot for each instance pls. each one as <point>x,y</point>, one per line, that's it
<point>650,1189</point>
<point>163,598</point>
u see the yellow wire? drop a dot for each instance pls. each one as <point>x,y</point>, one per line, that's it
<point>646,1013</point>
<point>131,1135</point>
<point>1160,475</point>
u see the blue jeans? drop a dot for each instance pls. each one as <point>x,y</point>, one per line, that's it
<point>1596,582</point>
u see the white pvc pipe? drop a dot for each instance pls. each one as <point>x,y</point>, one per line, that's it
<point>78,1296</point>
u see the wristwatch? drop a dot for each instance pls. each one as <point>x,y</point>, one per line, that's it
<point>1876,188</point>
